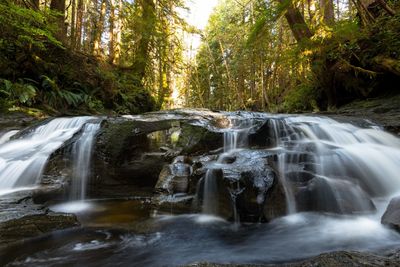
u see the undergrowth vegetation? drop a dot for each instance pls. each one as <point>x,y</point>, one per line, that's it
<point>38,71</point>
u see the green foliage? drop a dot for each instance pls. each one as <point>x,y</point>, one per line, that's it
<point>25,28</point>
<point>18,93</point>
<point>345,64</point>
<point>302,98</point>
<point>36,71</point>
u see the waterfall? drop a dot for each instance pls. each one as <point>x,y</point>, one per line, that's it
<point>283,135</point>
<point>322,164</point>
<point>210,193</point>
<point>82,154</point>
<point>235,137</point>
<point>333,166</point>
<point>23,160</point>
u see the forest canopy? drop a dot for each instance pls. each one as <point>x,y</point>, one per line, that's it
<point>130,56</point>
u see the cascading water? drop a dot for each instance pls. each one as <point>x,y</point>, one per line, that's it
<point>5,137</point>
<point>337,179</point>
<point>235,137</point>
<point>337,167</point>
<point>22,160</point>
<point>82,154</point>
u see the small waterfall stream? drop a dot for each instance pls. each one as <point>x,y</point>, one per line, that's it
<point>82,155</point>
<point>22,160</point>
<point>235,137</point>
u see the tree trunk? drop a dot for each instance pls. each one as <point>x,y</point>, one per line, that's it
<point>99,29</point>
<point>388,64</point>
<point>79,24</point>
<point>362,10</point>
<point>297,24</point>
<point>118,35</point>
<point>73,25</point>
<point>328,12</point>
<point>142,55</point>
<point>35,4</point>
<point>59,7</point>
<point>111,33</point>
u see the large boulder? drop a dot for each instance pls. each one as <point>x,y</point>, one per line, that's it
<point>391,217</point>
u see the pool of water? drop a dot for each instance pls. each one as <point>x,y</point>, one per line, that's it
<point>131,233</point>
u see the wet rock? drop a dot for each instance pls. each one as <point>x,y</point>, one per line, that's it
<point>275,202</point>
<point>196,140</point>
<point>177,203</point>
<point>337,196</point>
<point>16,120</point>
<point>174,178</point>
<point>20,218</point>
<point>330,259</point>
<point>384,111</point>
<point>133,152</point>
<point>262,137</point>
<point>348,258</point>
<point>391,217</point>
<point>128,155</point>
<point>34,225</point>
<point>47,193</point>
<point>243,179</point>
<point>221,199</point>
<point>255,178</point>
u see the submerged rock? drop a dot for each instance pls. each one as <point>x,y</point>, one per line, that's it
<point>391,217</point>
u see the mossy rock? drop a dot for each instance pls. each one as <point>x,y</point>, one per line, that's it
<point>198,140</point>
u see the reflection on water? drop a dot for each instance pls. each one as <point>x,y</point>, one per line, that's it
<point>123,232</point>
<point>107,213</point>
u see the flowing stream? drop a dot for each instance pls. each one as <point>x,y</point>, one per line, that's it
<point>337,180</point>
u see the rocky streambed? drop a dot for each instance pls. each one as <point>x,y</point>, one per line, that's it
<point>192,186</point>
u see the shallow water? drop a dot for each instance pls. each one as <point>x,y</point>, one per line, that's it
<point>129,232</point>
